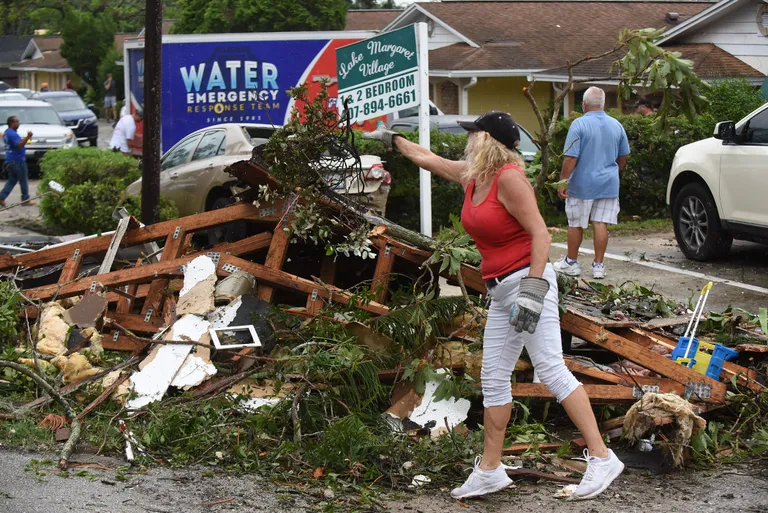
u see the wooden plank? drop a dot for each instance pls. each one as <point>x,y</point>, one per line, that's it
<point>124,304</point>
<point>173,249</point>
<point>72,265</point>
<point>104,395</point>
<point>278,278</point>
<point>278,250</point>
<point>96,245</point>
<point>473,279</point>
<point>665,385</point>
<point>597,393</point>
<point>573,323</point>
<point>614,429</point>
<point>521,448</point>
<point>147,272</point>
<point>746,377</point>
<point>328,270</point>
<point>595,373</point>
<point>124,343</point>
<point>385,261</point>
<point>134,323</point>
<point>114,245</point>
<point>314,306</point>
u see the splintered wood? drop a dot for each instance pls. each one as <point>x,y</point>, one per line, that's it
<point>174,287</point>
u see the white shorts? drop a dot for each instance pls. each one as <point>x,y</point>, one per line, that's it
<point>581,211</point>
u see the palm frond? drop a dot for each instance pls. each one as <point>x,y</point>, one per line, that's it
<point>410,325</point>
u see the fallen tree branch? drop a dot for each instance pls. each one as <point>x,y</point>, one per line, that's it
<point>69,447</point>
<point>295,413</point>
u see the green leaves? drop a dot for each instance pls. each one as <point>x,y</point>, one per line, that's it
<point>221,16</point>
<point>95,182</point>
<point>454,247</point>
<point>655,69</point>
<point>10,306</point>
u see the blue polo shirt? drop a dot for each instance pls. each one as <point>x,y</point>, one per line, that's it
<point>597,140</point>
<point>12,151</point>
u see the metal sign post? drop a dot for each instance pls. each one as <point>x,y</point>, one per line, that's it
<point>390,73</point>
<point>425,177</point>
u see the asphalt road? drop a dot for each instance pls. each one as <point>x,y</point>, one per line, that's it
<point>200,489</point>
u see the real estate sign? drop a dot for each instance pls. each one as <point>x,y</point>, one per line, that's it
<point>379,75</point>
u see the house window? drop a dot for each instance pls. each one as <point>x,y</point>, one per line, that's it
<point>762,19</point>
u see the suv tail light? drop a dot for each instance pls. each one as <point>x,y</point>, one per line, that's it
<point>375,173</point>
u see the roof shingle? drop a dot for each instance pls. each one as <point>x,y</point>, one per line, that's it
<point>542,35</point>
<point>372,19</point>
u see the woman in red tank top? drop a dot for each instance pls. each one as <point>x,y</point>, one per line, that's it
<point>501,214</point>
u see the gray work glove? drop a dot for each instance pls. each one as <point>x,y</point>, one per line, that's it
<point>526,310</point>
<point>383,134</point>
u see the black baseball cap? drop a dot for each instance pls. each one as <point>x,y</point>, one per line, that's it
<point>499,124</point>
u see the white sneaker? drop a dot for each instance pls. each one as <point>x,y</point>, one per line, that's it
<point>599,475</point>
<point>482,482</point>
<point>567,269</point>
<point>598,271</point>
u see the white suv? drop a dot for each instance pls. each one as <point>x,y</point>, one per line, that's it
<point>717,188</point>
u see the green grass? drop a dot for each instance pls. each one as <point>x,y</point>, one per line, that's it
<point>623,229</point>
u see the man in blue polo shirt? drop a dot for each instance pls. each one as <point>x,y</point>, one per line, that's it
<point>16,162</point>
<point>596,150</point>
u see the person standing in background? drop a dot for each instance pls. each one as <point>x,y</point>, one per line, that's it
<point>16,162</point>
<point>110,98</point>
<point>596,150</point>
<point>44,87</point>
<point>68,86</point>
<point>644,108</point>
<point>125,130</point>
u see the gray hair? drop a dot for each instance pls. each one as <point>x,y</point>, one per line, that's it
<point>594,97</point>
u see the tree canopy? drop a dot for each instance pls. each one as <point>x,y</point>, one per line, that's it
<point>87,39</point>
<point>217,16</point>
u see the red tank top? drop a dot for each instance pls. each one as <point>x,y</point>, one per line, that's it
<point>501,240</point>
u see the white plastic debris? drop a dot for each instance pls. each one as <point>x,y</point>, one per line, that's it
<point>435,413</point>
<point>159,369</point>
<point>197,270</point>
<point>566,491</point>
<point>420,480</point>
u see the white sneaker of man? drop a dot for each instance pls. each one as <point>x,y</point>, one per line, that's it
<point>568,268</point>
<point>598,270</point>
<point>599,475</point>
<point>482,482</point>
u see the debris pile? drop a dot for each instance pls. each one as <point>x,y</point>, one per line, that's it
<point>233,321</point>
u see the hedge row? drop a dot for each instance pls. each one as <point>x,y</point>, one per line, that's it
<point>95,182</point>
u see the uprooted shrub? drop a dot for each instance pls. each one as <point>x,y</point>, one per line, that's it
<point>95,183</point>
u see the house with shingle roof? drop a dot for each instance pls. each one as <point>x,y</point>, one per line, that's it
<point>482,53</point>
<point>12,48</point>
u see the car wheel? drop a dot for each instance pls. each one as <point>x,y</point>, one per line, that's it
<point>698,231</point>
<point>229,232</point>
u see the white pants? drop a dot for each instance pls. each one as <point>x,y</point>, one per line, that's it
<point>502,345</point>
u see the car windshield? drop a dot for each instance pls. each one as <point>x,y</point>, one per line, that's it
<point>526,144</point>
<point>448,129</point>
<point>258,134</point>
<point>66,103</point>
<point>31,115</point>
<point>414,111</point>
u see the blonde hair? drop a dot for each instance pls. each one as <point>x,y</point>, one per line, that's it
<point>485,156</point>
